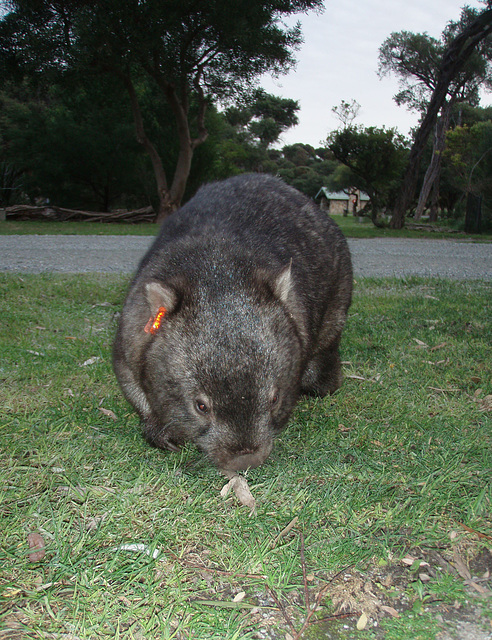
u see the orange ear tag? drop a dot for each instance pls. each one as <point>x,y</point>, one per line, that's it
<point>153,324</point>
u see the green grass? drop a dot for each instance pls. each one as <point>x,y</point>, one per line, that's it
<point>351,227</point>
<point>389,465</point>
<point>47,227</point>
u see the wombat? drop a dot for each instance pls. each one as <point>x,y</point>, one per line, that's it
<point>236,309</point>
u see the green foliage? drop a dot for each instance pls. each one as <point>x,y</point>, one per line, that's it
<point>375,157</point>
<point>468,157</point>
<point>192,55</point>
<point>416,59</point>
<point>247,130</point>
<point>303,167</point>
<point>76,147</point>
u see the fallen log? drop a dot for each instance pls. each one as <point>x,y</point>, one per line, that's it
<point>60,214</point>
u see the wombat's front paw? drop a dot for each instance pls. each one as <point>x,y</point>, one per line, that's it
<point>157,437</point>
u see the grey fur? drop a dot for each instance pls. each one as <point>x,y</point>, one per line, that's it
<point>256,283</point>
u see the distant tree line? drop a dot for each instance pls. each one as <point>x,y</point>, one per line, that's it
<point>107,105</point>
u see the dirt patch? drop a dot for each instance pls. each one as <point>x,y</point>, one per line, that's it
<point>366,597</point>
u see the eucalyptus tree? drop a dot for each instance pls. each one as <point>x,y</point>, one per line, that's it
<point>195,52</point>
<point>434,75</point>
<point>376,158</point>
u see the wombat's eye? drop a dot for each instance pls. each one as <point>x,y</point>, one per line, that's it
<point>275,399</point>
<point>201,407</point>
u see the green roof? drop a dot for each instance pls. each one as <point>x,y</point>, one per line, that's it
<point>339,195</point>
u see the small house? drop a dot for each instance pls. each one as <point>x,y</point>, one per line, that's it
<point>341,202</point>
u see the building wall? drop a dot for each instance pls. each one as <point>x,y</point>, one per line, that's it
<point>334,206</point>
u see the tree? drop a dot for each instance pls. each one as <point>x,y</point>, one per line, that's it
<point>194,52</point>
<point>302,166</point>
<point>468,156</point>
<point>74,147</point>
<point>439,71</point>
<point>375,157</point>
<point>346,112</point>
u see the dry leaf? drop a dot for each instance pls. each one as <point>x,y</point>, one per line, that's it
<point>420,344</point>
<point>362,622</point>
<point>438,346</point>
<point>239,485</point>
<point>343,428</point>
<point>94,522</point>
<point>460,566</point>
<point>410,560</point>
<point>478,587</point>
<point>239,596</point>
<point>37,544</point>
<point>391,611</point>
<point>109,413</point>
<point>486,403</point>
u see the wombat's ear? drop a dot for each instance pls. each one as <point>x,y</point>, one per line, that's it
<point>160,295</point>
<point>276,283</point>
<point>282,284</point>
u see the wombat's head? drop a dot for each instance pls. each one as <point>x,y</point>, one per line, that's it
<point>222,367</point>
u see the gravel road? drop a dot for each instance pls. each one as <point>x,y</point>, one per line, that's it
<point>379,257</point>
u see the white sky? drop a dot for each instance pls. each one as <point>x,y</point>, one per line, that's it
<point>339,60</point>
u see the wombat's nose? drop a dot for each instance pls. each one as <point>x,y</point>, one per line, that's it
<point>247,458</point>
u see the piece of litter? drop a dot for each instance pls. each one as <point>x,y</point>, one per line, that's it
<point>139,548</point>
<point>92,360</point>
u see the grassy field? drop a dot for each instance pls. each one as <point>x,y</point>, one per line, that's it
<point>42,227</point>
<point>351,227</point>
<point>375,503</point>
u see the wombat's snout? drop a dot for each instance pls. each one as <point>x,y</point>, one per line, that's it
<point>247,458</point>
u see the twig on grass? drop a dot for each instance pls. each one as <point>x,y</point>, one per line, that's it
<point>232,574</point>
<point>303,563</point>
<point>310,611</point>
<point>283,610</point>
<point>337,616</point>
<point>477,533</point>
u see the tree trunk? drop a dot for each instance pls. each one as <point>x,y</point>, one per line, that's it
<point>434,169</point>
<point>187,144</point>
<point>434,207</point>
<point>454,58</point>
<point>170,197</point>
<point>159,173</point>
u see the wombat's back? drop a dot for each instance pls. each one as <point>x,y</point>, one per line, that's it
<point>261,219</point>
